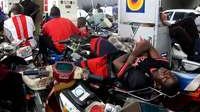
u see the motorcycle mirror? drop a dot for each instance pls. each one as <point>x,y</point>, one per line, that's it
<point>64,41</point>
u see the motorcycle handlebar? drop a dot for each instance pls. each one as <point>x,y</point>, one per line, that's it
<point>32,72</point>
<point>95,78</point>
<point>21,41</point>
<point>35,72</point>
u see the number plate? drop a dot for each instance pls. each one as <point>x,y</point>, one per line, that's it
<point>80,93</point>
<point>44,82</point>
<point>24,52</point>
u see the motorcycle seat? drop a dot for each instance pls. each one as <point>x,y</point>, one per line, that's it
<point>190,66</point>
<point>188,81</point>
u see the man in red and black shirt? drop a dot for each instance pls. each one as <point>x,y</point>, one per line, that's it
<point>59,28</point>
<point>131,68</point>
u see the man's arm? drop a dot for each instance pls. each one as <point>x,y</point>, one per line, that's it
<point>120,61</point>
<point>153,53</point>
<point>141,47</point>
<point>8,35</point>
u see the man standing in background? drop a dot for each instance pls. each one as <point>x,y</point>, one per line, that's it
<point>57,29</point>
<point>30,8</point>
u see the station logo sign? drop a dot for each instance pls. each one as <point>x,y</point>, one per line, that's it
<point>136,6</point>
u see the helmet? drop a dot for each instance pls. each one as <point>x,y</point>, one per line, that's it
<point>63,71</point>
<point>41,82</point>
<point>95,107</point>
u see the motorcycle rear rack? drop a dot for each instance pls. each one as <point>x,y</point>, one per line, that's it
<point>153,93</point>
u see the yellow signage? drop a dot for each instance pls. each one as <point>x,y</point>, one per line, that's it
<point>135,6</point>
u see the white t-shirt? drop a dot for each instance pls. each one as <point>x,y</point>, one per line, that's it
<point>197,22</point>
<point>198,9</point>
<point>20,27</point>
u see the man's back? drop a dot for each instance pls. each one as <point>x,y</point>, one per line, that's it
<point>20,27</point>
<point>59,29</point>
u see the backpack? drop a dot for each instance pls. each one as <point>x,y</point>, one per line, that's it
<point>97,66</point>
<point>101,47</point>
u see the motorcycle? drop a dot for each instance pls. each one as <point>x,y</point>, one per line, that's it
<point>73,94</point>
<point>8,55</point>
<point>76,94</point>
<point>20,49</point>
<point>37,81</point>
<point>98,31</point>
<point>79,98</point>
<point>114,92</point>
<point>75,50</point>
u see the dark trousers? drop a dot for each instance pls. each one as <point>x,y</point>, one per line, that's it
<point>46,43</point>
<point>185,33</point>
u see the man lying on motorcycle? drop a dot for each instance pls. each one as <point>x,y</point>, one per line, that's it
<point>131,68</point>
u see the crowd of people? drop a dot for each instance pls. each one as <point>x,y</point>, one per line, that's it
<point>130,68</point>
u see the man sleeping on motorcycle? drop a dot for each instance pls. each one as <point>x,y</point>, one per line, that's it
<point>131,68</point>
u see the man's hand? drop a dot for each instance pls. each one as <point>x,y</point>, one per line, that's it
<point>141,46</point>
<point>131,59</point>
<point>85,74</point>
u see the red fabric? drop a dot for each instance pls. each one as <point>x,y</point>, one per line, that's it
<point>98,47</point>
<point>195,96</point>
<point>16,26</point>
<point>24,29</point>
<point>83,64</point>
<point>93,45</point>
<point>122,70</point>
<point>4,72</point>
<point>24,24</point>
<point>138,60</point>
<point>84,31</point>
<point>97,66</point>
<point>97,108</point>
<point>59,29</point>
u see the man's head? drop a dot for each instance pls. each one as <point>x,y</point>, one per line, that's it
<point>98,6</point>
<point>17,9</point>
<point>81,22</point>
<point>55,12</point>
<point>168,82</point>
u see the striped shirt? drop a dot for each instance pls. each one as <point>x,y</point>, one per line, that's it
<point>20,27</point>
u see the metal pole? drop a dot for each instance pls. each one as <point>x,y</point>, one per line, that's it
<point>119,14</point>
<point>156,24</point>
<point>92,2</point>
